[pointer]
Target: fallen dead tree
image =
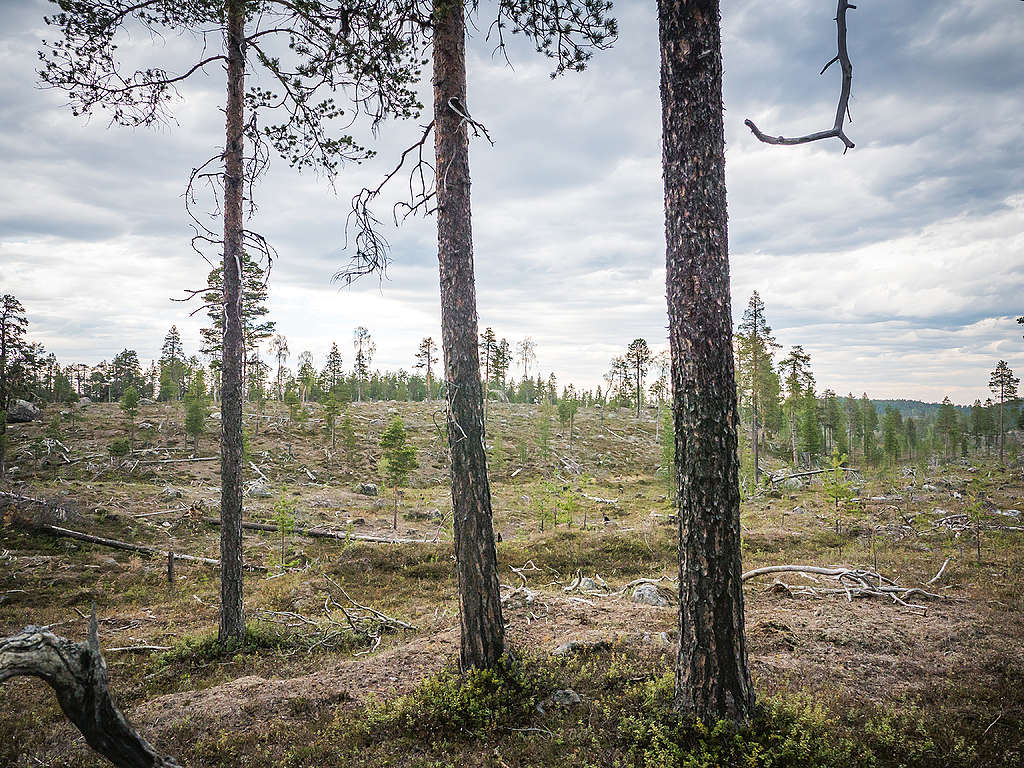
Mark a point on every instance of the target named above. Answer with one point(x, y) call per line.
point(321, 533)
point(797, 475)
point(127, 546)
point(78, 675)
point(851, 582)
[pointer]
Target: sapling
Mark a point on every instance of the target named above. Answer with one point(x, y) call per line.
point(130, 406)
point(284, 519)
point(398, 460)
point(837, 488)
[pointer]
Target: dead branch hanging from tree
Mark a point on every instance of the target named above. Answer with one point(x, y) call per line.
point(843, 108)
point(78, 675)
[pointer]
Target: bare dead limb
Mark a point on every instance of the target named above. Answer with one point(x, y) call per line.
point(363, 620)
point(843, 108)
point(599, 500)
point(78, 675)
point(938, 575)
point(852, 582)
point(321, 533)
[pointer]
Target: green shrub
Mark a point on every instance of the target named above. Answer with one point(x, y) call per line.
point(119, 447)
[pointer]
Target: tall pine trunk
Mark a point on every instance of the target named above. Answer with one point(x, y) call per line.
point(232, 620)
point(712, 679)
point(483, 630)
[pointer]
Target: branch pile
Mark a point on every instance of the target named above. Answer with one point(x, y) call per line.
point(851, 582)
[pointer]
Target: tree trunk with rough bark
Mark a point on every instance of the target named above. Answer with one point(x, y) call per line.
point(483, 629)
point(712, 678)
point(232, 618)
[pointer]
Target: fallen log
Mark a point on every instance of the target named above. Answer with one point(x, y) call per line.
point(321, 533)
point(78, 675)
point(780, 478)
point(127, 546)
point(181, 461)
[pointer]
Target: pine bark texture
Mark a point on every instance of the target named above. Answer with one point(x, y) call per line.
point(232, 619)
point(483, 629)
point(78, 675)
point(712, 678)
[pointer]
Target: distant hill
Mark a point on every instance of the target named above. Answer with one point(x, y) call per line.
point(915, 409)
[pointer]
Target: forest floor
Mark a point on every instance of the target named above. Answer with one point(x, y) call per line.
point(292, 696)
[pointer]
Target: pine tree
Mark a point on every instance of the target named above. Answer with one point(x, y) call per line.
point(1003, 385)
point(172, 366)
point(13, 325)
point(810, 424)
point(279, 348)
point(869, 421)
point(638, 359)
point(130, 406)
point(398, 459)
point(798, 377)
point(945, 424)
point(891, 424)
point(365, 349)
point(756, 347)
point(426, 356)
point(712, 677)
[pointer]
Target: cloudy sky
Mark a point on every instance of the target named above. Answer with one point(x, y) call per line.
point(899, 266)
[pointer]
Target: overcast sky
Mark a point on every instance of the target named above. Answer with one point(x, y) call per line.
point(899, 266)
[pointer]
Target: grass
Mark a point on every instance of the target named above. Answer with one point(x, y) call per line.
point(861, 684)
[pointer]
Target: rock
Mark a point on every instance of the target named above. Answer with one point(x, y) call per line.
point(83, 401)
point(660, 638)
point(648, 594)
point(797, 510)
point(792, 483)
point(367, 489)
point(258, 490)
point(21, 412)
point(146, 401)
point(147, 425)
point(928, 487)
point(566, 697)
point(215, 415)
point(170, 492)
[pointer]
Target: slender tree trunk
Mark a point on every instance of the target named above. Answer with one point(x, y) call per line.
point(712, 679)
point(232, 619)
point(754, 439)
point(483, 630)
point(792, 432)
point(1002, 433)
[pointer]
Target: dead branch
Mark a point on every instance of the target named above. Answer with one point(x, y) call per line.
point(78, 675)
point(852, 582)
point(321, 533)
point(938, 575)
point(842, 110)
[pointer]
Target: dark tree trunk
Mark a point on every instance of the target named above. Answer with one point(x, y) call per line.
point(712, 679)
point(483, 630)
point(232, 619)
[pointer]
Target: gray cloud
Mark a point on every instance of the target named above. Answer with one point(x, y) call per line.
point(898, 265)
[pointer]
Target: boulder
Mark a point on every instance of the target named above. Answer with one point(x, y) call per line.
point(147, 401)
point(22, 411)
point(565, 697)
point(367, 489)
point(170, 492)
point(792, 483)
point(648, 594)
point(83, 401)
